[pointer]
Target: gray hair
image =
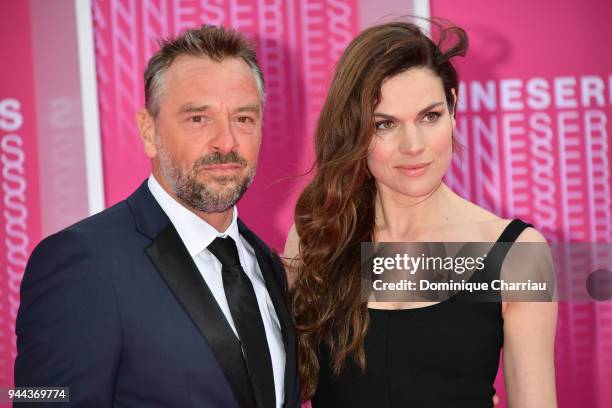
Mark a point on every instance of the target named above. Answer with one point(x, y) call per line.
point(211, 41)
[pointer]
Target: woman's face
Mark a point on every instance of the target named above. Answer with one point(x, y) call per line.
point(412, 145)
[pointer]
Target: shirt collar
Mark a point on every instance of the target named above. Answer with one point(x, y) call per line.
point(196, 233)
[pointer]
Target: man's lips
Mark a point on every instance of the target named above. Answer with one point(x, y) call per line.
point(227, 167)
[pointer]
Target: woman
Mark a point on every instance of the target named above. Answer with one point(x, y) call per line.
point(383, 144)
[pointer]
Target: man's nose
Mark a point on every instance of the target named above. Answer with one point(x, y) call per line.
point(224, 139)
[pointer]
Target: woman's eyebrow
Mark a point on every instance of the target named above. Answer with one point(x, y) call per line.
point(421, 112)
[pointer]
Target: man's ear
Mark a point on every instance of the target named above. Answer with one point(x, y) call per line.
point(146, 127)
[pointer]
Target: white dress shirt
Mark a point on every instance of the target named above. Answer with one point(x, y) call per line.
point(197, 234)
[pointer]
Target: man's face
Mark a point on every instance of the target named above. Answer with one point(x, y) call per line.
point(205, 141)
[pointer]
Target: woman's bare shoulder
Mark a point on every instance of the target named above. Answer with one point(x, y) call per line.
point(291, 254)
point(292, 244)
point(475, 223)
point(491, 225)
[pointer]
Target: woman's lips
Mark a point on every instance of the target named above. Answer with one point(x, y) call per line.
point(414, 170)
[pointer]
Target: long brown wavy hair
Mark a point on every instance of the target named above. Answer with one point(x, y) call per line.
point(335, 213)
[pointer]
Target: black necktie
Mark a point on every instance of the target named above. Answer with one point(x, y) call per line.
point(247, 319)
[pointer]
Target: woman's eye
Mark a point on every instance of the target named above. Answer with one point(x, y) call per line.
point(384, 125)
point(431, 116)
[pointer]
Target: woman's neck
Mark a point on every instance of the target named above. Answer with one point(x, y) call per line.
point(400, 218)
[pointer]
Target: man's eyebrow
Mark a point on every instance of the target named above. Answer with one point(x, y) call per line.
point(191, 108)
point(248, 108)
point(421, 112)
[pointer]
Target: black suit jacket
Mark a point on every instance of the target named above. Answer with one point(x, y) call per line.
point(115, 308)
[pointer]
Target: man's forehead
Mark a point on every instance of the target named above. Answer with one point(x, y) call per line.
point(227, 77)
point(191, 64)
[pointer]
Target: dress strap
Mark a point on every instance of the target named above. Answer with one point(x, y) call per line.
point(500, 249)
point(501, 246)
point(513, 230)
point(493, 263)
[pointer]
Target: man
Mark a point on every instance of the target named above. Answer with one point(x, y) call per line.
point(167, 299)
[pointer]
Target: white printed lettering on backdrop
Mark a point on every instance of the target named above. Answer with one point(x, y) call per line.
point(15, 213)
point(543, 144)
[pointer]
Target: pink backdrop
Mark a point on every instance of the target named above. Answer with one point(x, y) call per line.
point(19, 188)
point(534, 119)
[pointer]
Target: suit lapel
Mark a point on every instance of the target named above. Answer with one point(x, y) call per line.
point(170, 257)
point(274, 277)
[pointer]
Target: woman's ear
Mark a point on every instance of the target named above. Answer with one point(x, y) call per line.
point(454, 106)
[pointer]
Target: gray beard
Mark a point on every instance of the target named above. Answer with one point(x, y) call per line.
point(197, 195)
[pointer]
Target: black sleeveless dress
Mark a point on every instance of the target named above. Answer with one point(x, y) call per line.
point(444, 355)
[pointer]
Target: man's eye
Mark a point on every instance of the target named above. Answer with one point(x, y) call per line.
point(197, 119)
point(245, 119)
point(431, 116)
point(384, 125)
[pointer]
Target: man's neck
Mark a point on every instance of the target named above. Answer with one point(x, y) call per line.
point(219, 221)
